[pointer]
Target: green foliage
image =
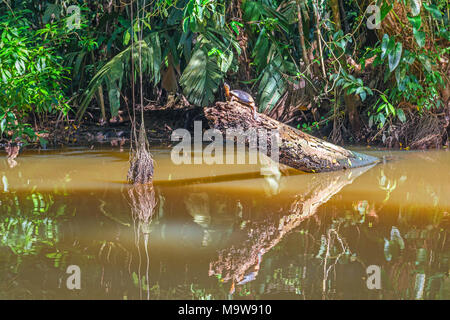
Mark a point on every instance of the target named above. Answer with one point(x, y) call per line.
point(31, 75)
point(113, 72)
point(190, 47)
point(272, 31)
point(351, 84)
point(201, 78)
point(405, 66)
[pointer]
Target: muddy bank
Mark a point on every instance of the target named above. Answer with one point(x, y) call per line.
point(428, 133)
point(159, 122)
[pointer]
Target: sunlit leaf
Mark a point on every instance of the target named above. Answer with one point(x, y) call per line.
point(201, 78)
point(416, 22)
point(415, 6)
point(420, 37)
point(394, 56)
point(401, 115)
point(384, 45)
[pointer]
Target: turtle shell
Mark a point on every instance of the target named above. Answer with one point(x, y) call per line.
point(242, 96)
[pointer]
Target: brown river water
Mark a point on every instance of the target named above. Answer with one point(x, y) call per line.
point(223, 231)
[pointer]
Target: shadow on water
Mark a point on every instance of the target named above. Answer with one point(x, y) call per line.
point(277, 237)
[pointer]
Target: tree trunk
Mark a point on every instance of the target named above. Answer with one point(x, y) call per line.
point(296, 148)
point(302, 38)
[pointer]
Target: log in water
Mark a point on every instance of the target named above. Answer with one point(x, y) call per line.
point(296, 149)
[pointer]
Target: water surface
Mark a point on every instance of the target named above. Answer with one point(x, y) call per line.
point(223, 232)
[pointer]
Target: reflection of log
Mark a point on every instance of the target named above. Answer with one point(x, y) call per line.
point(297, 149)
point(238, 261)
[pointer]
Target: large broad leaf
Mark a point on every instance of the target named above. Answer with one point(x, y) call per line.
point(113, 71)
point(252, 10)
point(433, 10)
point(114, 85)
point(385, 9)
point(416, 22)
point(256, 11)
point(384, 46)
point(222, 44)
point(50, 11)
point(420, 37)
point(272, 85)
point(114, 99)
point(415, 7)
point(401, 115)
point(261, 51)
point(151, 57)
point(201, 78)
point(400, 74)
point(394, 56)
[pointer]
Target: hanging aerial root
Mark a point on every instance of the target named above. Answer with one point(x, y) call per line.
point(141, 161)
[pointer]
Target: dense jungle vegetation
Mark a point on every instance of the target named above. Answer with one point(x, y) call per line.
point(353, 71)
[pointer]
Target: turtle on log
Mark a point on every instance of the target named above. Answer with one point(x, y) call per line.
point(242, 97)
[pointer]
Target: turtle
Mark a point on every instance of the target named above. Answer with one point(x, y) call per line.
point(242, 97)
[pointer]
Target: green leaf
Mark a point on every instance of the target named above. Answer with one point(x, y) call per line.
point(252, 10)
point(363, 95)
point(385, 9)
point(384, 46)
point(51, 10)
point(235, 25)
point(400, 74)
point(416, 22)
point(186, 25)
point(3, 125)
point(382, 119)
point(201, 78)
point(433, 10)
point(114, 100)
point(415, 7)
point(126, 37)
point(272, 85)
point(261, 52)
point(401, 115)
point(420, 37)
point(392, 109)
point(394, 56)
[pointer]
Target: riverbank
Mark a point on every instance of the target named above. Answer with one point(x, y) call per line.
point(161, 121)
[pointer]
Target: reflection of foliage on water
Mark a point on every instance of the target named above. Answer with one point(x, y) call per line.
point(343, 245)
point(27, 218)
point(30, 235)
point(30, 216)
point(338, 245)
point(297, 248)
point(417, 267)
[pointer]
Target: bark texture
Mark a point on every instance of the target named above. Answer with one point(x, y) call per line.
point(297, 149)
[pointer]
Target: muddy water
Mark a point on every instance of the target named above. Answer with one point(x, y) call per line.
point(223, 232)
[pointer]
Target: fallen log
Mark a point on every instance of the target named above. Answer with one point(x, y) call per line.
point(297, 149)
